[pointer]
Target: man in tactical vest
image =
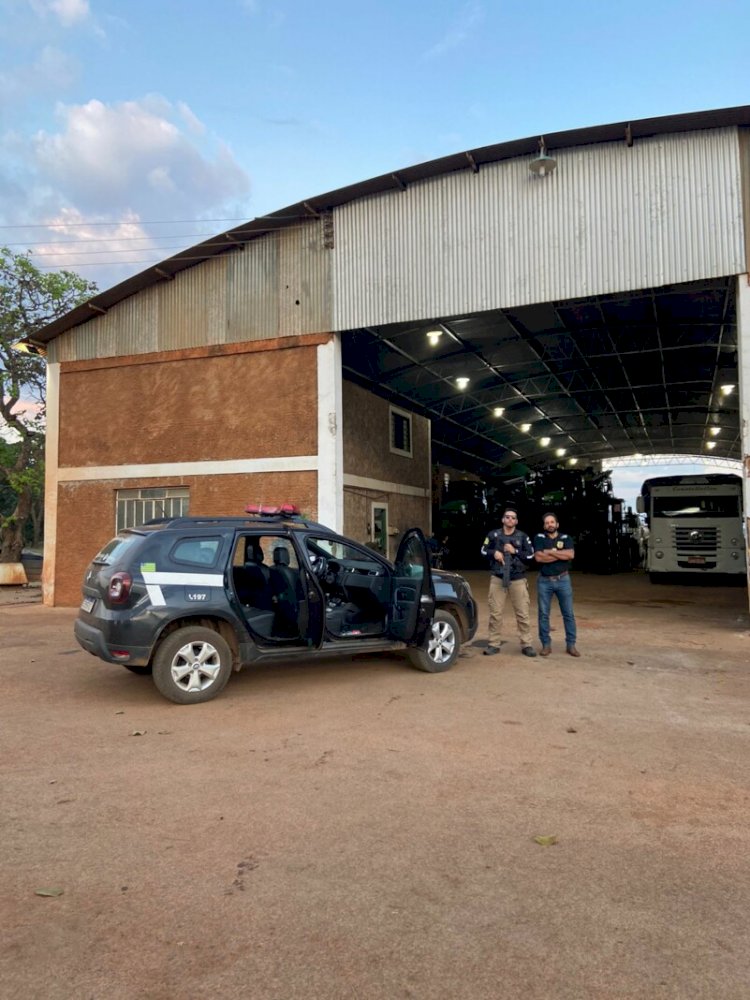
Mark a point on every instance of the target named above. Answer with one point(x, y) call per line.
point(509, 550)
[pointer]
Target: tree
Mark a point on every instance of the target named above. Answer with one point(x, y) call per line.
point(29, 300)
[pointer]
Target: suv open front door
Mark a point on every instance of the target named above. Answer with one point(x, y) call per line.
point(413, 593)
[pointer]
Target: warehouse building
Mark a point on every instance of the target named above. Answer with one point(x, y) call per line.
point(570, 297)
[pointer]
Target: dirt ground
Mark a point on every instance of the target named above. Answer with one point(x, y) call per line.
point(357, 829)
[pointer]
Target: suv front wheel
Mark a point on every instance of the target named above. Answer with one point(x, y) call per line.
point(192, 665)
point(441, 647)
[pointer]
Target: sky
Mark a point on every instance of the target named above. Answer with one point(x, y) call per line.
point(130, 130)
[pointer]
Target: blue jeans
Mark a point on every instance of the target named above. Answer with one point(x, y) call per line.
point(563, 589)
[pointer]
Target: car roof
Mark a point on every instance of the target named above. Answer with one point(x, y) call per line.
point(263, 521)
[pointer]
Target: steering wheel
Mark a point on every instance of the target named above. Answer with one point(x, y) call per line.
point(320, 565)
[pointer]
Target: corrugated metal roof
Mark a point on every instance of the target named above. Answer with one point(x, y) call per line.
point(467, 160)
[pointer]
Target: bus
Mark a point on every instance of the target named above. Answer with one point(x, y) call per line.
point(695, 525)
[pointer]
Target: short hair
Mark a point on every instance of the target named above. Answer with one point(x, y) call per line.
point(510, 510)
point(549, 513)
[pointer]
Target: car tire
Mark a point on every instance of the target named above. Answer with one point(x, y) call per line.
point(192, 665)
point(135, 669)
point(442, 645)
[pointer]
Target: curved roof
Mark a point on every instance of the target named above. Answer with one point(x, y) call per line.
point(589, 379)
point(472, 159)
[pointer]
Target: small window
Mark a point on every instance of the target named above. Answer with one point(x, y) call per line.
point(135, 507)
point(400, 432)
point(198, 551)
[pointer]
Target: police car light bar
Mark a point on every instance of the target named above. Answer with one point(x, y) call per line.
point(266, 510)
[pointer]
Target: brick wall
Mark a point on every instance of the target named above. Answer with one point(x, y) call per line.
point(244, 401)
point(254, 404)
point(367, 453)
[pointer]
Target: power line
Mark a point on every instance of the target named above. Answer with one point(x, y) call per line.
point(107, 239)
point(116, 222)
point(142, 222)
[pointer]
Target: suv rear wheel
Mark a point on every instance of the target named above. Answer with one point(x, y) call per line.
point(192, 665)
point(441, 647)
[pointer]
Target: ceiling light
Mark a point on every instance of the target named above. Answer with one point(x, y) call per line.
point(727, 389)
point(560, 452)
point(714, 431)
point(498, 411)
point(526, 428)
point(542, 165)
point(544, 441)
point(572, 461)
point(462, 381)
point(434, 336)
point(710, 445)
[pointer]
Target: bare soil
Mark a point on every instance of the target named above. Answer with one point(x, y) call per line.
point(356, 829)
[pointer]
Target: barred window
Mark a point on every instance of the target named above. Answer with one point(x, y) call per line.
point(135, 507)
point(400, 431)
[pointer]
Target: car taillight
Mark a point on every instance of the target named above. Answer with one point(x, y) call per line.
point(119, 588)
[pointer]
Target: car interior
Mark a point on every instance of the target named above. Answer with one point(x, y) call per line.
point(269, 586)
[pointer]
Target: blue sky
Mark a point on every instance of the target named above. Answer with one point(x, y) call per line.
point(130, 130)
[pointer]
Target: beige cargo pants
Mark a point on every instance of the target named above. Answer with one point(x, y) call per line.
point(518, 593)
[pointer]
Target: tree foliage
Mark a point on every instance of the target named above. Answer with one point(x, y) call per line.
point(29, 300)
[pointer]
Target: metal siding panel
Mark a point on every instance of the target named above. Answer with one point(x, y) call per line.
point(190, 307)
point(304, 280)
point(252, 299)
point(279, 285)
point(611, 218)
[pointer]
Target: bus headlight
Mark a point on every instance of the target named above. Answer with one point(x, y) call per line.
point(659, 555)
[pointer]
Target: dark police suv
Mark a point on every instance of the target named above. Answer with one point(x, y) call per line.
point(191, 599)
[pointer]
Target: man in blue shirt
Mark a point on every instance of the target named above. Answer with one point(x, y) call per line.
point(554, 553)
point(508, 550)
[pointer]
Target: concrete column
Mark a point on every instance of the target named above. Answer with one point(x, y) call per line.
point(51, 460)
point(743, 371)
point(330, 436)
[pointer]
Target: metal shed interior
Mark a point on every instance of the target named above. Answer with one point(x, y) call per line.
point(646, 372)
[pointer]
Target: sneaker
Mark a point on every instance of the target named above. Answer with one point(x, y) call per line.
point(528, 651)
point(572, 651)
point(545, 650)
point(491, 650)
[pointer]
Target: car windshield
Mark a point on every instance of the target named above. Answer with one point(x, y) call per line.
point(114, 550)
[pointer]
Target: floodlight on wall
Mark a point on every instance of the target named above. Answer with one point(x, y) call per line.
point(560, 452)
point(714, 431)
point(434, 336)
point(727, 389)
point(544, 441)
point(542, 165)
point(572, 461)
point(498, 411)
point(462, 381)
point(710, 445)
point(526, 428)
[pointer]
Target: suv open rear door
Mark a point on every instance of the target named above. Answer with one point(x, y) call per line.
point(413, 593)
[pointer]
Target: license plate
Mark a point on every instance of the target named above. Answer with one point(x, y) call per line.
point(87, 603)
point(696, 560)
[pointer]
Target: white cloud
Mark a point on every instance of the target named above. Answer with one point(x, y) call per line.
point(68, 12)
point(111, 158)
point(88, 191)
point(194, 123)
